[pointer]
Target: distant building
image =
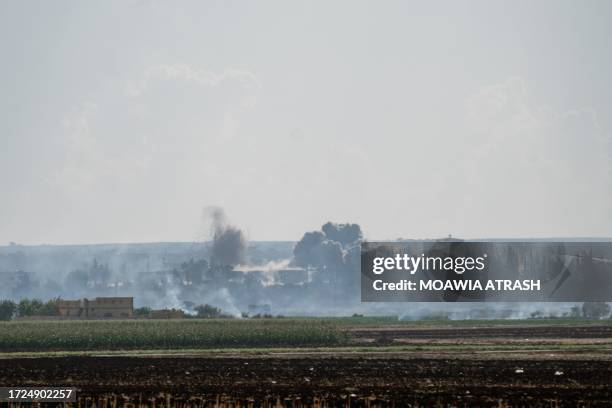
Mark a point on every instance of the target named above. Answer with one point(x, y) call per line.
point(98, 308)
point(70, 308)
point(292, 276)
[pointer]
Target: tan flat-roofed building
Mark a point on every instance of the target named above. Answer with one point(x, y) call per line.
point(70, 308)
point(98, 308)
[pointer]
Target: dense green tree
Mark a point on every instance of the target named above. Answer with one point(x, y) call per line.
point(27, 307)
point(36, 307)
point(345, 234)
point(595, 310)
point(142, 311)
point(50, 307)
point(7, 309)
point(209, 312)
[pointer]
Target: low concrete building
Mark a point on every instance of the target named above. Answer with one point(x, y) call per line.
point(98, 308)
point(70, 308)
point(292, 276)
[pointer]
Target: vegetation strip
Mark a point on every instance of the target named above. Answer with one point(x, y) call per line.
point(318, 350)
point(166, 334)
point(265, 334)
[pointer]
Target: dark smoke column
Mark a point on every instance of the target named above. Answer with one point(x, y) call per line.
point(228, 242)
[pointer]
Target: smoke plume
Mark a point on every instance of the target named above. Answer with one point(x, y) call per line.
point(228, 242)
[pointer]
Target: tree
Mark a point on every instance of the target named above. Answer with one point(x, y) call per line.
point(142, 311)
point(50, 307)
point(7, 309)
point(210, 312)
point(99, 274)
point(575, 312)
point(345, 234)
point(27, 307)
point(595, 310)
point(22, 282)
point(77, 279)
point(304, 253)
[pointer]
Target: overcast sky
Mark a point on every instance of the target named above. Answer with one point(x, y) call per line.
point(122, 121)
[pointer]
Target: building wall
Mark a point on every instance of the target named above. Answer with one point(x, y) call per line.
point(70, 308)
point(98, 308)
point(292, 276)
point(114, 307)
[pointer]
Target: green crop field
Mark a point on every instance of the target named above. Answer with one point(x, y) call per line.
point(211, 334)
point(166, 334)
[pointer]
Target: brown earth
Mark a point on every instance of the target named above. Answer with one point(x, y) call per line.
point(545, 378)
point(381, 379)
point(574, 335)
point(510, 332)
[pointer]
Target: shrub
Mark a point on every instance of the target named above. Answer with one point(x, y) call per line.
point(207, 311)
point(142, 311)
point(7, 309)
point(595, 310)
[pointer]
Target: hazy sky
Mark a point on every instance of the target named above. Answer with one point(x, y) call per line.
point(122, 121)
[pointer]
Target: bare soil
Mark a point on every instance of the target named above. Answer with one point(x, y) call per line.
point(555, 378)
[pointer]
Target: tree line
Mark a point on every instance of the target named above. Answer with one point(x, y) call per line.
point(10, 309)
point(28, 307)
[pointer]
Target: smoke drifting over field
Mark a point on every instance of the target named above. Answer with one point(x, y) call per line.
point(317, 275)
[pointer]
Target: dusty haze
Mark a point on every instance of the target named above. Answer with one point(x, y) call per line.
point(121, 121)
